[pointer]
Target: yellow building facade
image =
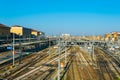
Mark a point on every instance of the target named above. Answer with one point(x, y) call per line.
point(19, 30)
point(34, 32)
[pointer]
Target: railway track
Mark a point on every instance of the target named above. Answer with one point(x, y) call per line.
point(91, 67)
point(79, 67)
point(32, 67)
point(51, 74)
point(84, 69)
point(41, 67)
point(111, 56)
point(88, 65)
point(115, 63)
point(44, 67)
point(7, 64)
point(66, 68)
point(104, 69)
point(103, 63)
point(25, 63)
point(24, 68)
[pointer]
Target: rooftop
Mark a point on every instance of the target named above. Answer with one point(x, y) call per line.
point(2, 25)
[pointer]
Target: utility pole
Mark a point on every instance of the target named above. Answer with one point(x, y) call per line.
point(49, 45)
point(65, 58)
point(59, 45)
point(65, 54)
point(93, 48)
point(20, 50)
point(13, 49)
point(93, 52)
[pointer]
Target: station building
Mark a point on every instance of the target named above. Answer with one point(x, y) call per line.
point(26, 32)
point(20, 30)
point(35, 33)
point(4, 31)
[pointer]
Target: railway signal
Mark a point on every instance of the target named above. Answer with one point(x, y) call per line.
point(62, 64)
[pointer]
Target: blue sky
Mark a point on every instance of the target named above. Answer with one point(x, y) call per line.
point(77, 17)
